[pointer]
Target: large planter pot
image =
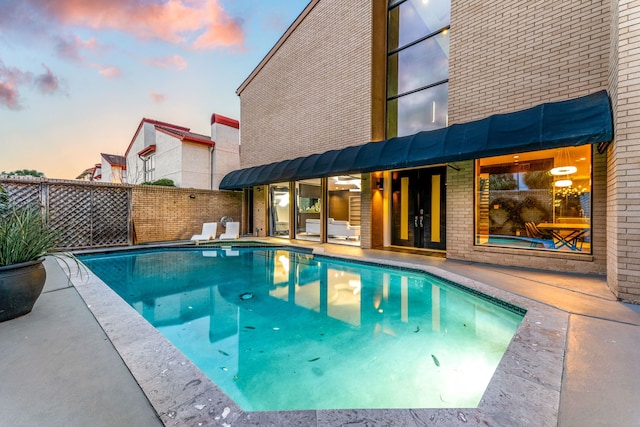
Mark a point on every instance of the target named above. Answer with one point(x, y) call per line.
point(20, 287)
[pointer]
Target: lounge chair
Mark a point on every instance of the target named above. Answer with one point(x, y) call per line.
point(209, 230)
point(539, 237)
point(232, 232)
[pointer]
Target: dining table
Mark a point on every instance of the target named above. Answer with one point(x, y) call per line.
point(569, 234)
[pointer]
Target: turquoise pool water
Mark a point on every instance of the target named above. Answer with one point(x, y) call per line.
point(284, 330)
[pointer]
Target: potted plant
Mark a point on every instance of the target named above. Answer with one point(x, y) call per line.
point(24, 240)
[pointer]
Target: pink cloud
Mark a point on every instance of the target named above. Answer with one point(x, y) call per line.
point(12, 78)
point(158, 98)
point(174, 21)
point(176, 61)
point(9, 96)
point(69, 48)
point(222, 30)
point(110, 72)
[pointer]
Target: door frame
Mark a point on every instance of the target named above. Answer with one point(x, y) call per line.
point(431, 171)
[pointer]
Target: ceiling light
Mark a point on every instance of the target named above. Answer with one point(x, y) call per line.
point(563, 183)
point(563, 170)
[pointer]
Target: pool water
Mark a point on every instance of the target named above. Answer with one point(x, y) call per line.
point(284, 330)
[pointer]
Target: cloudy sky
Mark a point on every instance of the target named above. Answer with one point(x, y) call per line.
point(77, 76)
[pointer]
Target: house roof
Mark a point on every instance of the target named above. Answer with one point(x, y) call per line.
point(155, 123)
point(86, 172)
point(147, 150)
point(186, 136)
point(217, 118)
point(114, 159)
point(277, 46)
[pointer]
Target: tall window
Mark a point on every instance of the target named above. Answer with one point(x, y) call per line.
point(308, 209)
point(417, 66)
point(279, 212)
point(343, 215)
point(149, 168)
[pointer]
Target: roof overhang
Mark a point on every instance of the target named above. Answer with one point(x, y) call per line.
point(147, 150)
point(574, 122)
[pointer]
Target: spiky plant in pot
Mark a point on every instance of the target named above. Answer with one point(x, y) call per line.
point(24, 240)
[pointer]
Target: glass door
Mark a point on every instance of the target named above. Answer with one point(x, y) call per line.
point(279, 213)
point(418, 208)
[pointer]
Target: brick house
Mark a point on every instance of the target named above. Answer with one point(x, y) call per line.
point(489, 118)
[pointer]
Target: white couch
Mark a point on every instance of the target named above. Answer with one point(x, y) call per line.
point(335, 228)
point(312, 226)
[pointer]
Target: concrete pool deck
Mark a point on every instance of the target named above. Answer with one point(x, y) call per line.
point(574, 362)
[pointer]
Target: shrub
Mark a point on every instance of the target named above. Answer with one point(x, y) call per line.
point(163, 182)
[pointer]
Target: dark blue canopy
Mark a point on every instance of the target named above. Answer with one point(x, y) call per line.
point(585, 120)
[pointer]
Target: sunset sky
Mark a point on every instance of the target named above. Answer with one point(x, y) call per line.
point(77, 76)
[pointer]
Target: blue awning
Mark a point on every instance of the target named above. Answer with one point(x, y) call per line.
point(585, 120)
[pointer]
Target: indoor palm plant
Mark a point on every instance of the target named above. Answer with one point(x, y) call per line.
point(24, 240)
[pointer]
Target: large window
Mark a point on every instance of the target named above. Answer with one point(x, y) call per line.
point(309, 206)
point(417, 66)
point(279, 200)
point(539, 200)
point(343, 215)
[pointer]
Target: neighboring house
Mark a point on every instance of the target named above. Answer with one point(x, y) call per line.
point(160, 150)
point(97, 172)
point(446, 127)
point(86, 175)
point(114, 168)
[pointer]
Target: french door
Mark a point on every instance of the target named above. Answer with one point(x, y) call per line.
point(418, 208)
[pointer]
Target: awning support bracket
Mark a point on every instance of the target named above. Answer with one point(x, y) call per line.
point(457, 169)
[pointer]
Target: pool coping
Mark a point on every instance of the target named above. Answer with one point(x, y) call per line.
point(525, 389)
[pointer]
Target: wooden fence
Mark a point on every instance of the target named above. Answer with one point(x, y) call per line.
point(94, 214)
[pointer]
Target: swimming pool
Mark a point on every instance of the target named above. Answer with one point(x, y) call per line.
point(284, 330)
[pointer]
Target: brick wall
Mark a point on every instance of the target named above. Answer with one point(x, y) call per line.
point(260, 210)
point(314, 94)
point(623, 202)
point(166, 213)
point(511, 55)
point(514, 54)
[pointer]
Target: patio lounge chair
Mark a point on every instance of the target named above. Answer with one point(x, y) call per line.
point(539, 237)
point(209, 230)
point(232, 232)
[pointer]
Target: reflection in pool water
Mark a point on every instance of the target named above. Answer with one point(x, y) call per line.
point(283, 330)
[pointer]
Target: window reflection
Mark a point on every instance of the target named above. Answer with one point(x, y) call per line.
point(415, 19)
point(419, 111)
point(420, 65)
